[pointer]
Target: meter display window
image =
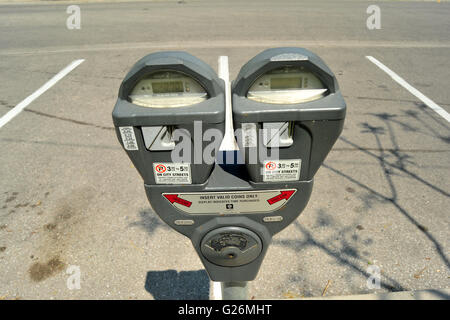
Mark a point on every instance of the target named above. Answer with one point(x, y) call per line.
point(167, 89)
point(287, 85)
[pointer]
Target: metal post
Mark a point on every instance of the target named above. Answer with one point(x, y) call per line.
point(234, 290)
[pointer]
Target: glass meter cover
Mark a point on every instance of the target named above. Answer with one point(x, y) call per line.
point(287, 85)
point(167, 89)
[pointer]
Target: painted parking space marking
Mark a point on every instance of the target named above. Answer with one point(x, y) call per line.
point(50, 83)
point(427, 101)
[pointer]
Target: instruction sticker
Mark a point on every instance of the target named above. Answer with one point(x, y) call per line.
point(172, 173)
point(128, 138)
point(281, 170)
point(264, 201)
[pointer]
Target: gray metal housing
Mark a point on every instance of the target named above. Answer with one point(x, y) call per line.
point(318, 123)
point(211, 111)
point(224, 179)
point(316, 129)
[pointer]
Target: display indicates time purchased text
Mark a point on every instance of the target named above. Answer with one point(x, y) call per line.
point(230, 202)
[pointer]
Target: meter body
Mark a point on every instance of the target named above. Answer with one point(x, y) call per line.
point(284, 99)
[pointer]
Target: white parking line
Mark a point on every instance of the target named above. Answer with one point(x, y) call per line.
point(228, 142)
point(217, 291)
point(228, 44)
point(427, 101)
point(24, 103)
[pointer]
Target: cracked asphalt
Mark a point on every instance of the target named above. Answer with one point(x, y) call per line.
point(69, 195)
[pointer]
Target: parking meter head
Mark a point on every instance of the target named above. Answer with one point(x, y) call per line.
point(165, 104)
point(288, 111)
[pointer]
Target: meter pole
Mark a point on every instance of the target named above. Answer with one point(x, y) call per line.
point(236, 290)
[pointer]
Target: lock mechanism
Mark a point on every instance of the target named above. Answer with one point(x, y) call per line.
point(231, 246)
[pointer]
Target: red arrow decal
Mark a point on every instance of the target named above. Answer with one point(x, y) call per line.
point(174, 198)
point(283, 195)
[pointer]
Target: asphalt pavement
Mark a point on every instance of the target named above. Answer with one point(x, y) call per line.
point(69, 195)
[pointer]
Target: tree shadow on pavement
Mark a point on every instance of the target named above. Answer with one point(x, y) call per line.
point(342, 244)
point(173, 285)
point(149, 222)
point(401, 162)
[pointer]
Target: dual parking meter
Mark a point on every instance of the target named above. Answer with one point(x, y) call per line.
point(170, 119)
